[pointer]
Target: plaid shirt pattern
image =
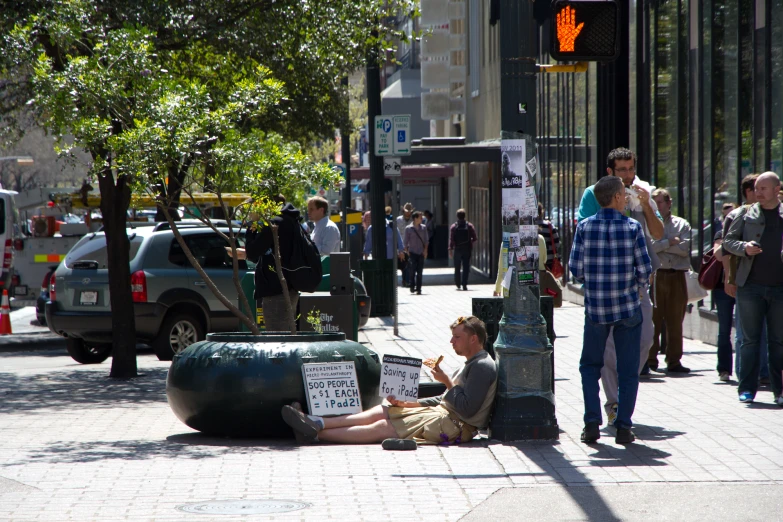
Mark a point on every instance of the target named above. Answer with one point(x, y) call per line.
point(610, 257)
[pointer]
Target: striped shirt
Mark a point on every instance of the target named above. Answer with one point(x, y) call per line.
point(550, 232)
point(610, 257)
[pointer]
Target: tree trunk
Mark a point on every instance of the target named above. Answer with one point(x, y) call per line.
point(115, 200)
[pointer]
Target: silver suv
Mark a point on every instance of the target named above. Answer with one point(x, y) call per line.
point(172, 305)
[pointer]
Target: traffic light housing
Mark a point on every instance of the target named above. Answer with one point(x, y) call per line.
point(585, 30)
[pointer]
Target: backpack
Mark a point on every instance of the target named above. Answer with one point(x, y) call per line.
point(304, 271)
point(462, 236)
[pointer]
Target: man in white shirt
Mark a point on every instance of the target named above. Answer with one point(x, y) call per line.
point(326, 235)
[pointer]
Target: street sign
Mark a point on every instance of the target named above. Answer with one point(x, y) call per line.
point(393, 135)
point(383, 135)
point(585, 30)
point(392, 166)
point(401, 127)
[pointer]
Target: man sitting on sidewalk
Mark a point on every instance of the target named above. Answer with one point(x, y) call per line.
point(610, 257)
point(451, 418)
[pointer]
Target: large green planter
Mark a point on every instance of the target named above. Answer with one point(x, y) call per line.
point(235, 384)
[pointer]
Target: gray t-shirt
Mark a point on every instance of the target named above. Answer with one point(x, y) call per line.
point(472, 385)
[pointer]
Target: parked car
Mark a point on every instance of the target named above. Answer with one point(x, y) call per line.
point(43, 296)
point(173, 307)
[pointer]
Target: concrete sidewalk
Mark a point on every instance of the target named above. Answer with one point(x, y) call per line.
point(79, 446)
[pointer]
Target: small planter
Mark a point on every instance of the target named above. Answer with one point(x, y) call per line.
point(235, 384)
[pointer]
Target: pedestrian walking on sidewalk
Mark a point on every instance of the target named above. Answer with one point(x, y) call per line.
point(609, 256)
point(462, 236)
point(402, 221)
point(757, 238)
point(415, 243)
point(669, 291)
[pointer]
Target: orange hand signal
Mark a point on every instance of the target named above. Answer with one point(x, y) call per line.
point(567, 30)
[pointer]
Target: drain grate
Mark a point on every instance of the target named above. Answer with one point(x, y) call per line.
point(243, 507)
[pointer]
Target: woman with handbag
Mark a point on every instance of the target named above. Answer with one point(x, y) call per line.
point(725, 304)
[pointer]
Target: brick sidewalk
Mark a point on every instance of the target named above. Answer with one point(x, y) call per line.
point(78, 446)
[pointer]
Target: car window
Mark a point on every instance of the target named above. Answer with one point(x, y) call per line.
point(209, 250)
point(95, 250)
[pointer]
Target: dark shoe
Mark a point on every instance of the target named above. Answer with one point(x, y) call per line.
point(764, 380)
point(399, 444)
point(458, 288)
point(301, 424)
point(465, 287)
point(645, 371)
point(590, 433)
point(624, 436)
point(679, 369)
point(653, 367)
point(418, 292)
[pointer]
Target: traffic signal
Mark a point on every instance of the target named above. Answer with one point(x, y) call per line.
point(585, 30)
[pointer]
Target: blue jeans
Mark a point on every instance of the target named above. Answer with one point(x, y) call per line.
point(627, 336)
point(725, 304)
point(763, 357)
point(758, 303)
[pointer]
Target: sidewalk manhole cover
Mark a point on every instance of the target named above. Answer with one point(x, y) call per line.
point(243, 507)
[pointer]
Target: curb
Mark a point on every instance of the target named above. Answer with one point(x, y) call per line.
point(30, 341)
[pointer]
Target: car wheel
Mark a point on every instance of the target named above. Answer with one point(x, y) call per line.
point(87, 353)
point(178, 332)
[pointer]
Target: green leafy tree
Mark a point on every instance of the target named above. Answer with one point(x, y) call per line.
point(98, 70)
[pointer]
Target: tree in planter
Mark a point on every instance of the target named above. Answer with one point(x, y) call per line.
point(89, 68)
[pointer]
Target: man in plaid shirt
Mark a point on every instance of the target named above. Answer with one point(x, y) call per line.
point(610, 257)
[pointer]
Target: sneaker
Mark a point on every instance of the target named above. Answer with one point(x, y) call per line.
point(301, 424)
point(779, 400)
point(746, 397)
point(612, 415)
point(724, 377)
point(590, 433)
point(679, 369)
point(399, 444)
point(624, 436)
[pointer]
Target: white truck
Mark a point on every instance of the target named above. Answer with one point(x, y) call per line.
point(44, 239)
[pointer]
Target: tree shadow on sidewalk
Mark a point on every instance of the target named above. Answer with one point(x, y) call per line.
point(192, 446)
point(80, 387)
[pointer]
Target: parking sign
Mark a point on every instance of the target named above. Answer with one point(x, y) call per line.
point(383, 135)
point(393, 135)
point(402, 135)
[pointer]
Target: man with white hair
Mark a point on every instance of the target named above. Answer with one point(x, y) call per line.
point(757, 239)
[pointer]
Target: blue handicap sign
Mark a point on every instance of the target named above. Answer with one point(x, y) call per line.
point(387, 125)
point(400, 136)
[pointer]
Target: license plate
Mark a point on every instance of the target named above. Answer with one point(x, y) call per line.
point(20, 290)
point(88, 298)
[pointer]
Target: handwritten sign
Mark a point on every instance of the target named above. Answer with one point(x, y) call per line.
point(400, 377)
point(332, 388)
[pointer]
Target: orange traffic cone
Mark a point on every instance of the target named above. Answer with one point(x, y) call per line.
point(5, 315)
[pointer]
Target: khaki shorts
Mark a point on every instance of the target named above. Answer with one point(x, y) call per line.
point(429, 425)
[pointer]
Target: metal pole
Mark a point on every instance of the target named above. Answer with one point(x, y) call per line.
point(395, 211)
point(377, 216)
point(345, 142)
point(524, 406)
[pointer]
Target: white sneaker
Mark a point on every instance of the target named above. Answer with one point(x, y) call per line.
point(779, 400)
point(724, 377)
point(612, 415)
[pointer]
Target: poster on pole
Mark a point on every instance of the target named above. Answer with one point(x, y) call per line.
point(400, 377)
point(332, 388)
point(519, 208)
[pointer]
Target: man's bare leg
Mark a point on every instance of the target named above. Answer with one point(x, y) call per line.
point(364, 418)
point(378, 431)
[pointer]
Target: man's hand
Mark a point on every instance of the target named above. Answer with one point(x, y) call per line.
point(674, 241)
point(241, 253)
point(644, 196)
point(752, 249)
point(451, 254)
point(402, 404)
point(401, 256)
point(730, 290)
point(440, 376)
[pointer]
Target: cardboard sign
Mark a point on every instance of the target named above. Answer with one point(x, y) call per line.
point(400, 377)
point(332, 388)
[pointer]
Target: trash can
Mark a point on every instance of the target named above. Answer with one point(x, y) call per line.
point(379, 280)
